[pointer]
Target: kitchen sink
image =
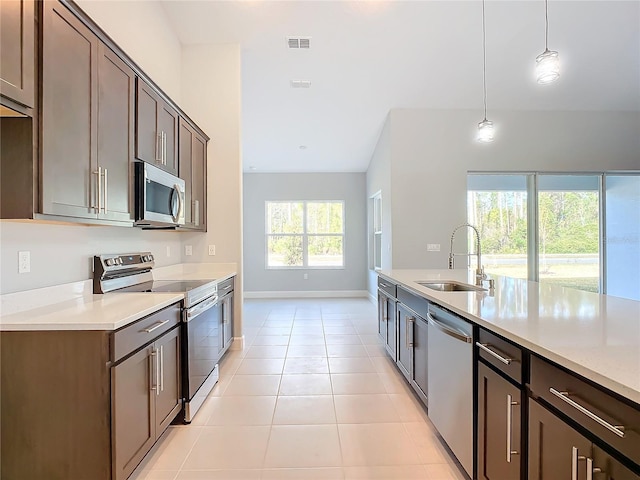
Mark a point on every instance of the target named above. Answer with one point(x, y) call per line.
point(450, 286)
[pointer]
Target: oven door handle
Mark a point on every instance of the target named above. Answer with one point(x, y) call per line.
point(193, 312)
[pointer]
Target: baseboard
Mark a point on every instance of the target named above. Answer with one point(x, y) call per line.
point(309, 294)
point(238, 343)
point(373, 298)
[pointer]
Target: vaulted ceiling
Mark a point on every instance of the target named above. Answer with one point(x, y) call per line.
point(367, 57)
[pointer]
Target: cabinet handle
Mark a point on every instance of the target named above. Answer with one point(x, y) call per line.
point(157, 373)
point(510, 405)
point(591, 470)
point(408, 321)
point(574, 462)
point(159, 147)
point(106, 191)
point(155, 326)
point(161, 368)
point(154, 387)
point(98, 173)
point(564, 396)
point(384, 285)
point(164, 148)
point(485, 347)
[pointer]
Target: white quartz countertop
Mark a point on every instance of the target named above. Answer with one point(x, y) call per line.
point(74, 306)
point(596, 336)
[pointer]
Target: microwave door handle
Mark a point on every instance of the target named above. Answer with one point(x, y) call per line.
point(177, 214)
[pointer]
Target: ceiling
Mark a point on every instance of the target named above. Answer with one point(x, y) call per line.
point(367, 57)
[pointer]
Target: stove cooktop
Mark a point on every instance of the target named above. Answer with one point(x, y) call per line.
point(195, 290)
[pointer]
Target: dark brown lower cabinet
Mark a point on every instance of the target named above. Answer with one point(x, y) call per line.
point(387, 327)
point(146, 398)
point(499, 427)
point(556, 450)
point(406, 318)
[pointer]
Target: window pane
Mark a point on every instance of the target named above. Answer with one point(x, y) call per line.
point(623, 235)
point(325, 251)
point(284, 217)
point(377, 250)
point(284, 251)
point(497, 206)
point(325, 217)
point(568, 230)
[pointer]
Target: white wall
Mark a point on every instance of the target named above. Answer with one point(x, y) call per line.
point(378, 179)
point(212, 98)
point(141, 28)
point(262, 187)
point(432, 151)
point(63, 253)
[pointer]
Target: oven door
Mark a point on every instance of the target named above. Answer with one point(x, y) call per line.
point(159, 197)
point(202, 336)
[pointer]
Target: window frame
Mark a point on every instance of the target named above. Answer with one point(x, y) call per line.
point(305, 237)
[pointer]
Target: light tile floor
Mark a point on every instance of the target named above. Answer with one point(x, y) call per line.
point(312, 396)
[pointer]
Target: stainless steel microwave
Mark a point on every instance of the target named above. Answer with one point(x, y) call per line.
point(159, 197)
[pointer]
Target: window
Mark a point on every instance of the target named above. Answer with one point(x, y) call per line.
point(579, 230)
point(305, 234)
point(376, 232)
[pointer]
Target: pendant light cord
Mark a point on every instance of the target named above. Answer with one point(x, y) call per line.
point(546, 25)
point(484, 62)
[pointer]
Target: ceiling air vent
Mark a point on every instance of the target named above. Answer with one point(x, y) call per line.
point(300, 83)
point(299, 42)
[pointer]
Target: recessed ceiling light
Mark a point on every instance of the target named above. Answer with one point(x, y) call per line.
point(302, 147)
point(252, 167)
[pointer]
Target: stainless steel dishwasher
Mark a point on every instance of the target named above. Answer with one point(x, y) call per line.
point(450, 380)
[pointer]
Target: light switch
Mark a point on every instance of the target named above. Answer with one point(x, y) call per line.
point(433, 247)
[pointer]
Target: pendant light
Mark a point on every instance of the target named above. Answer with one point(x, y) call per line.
point(485, 127)
point(547, 63)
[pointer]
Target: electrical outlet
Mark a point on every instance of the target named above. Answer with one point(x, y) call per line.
point(168, 251)
point(188, 250)
point(212, 249)
point(433, 247)
point(24, 262)
point(306, 276)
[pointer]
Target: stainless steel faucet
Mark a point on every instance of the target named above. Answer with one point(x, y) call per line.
point(480, 275)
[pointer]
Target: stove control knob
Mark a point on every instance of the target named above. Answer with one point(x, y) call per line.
point(150, 258)
point(109, 262)
point(145, 258)
point(119, 261)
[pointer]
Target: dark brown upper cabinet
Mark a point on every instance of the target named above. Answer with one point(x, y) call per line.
point(193, 170)
point(156, 129)
point(17, 52)
point(87, 123)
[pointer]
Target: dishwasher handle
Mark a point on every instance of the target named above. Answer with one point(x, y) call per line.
point(446, 329)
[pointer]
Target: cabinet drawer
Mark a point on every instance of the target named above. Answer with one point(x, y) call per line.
point(502, 354)
point(594, 408)
point(417, 304)
point(134, 336)
point(387, 287)
point(226, 286)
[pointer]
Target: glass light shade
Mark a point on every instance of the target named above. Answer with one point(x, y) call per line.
point(485, 131)
point(547, 67)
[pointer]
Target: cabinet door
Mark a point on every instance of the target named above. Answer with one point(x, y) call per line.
point(610, 468)
point(552, 444)
point(17, 52)
point(392, 329)
point(168, 127)
point(405, 340)
point(148, 138)
point(168, 397)
point(133, 384)
point(420, 340)
point(227, 320)
point(69, 115)
point(116, 87)
point(199, 182)
point(499, 427)
point(185, 141)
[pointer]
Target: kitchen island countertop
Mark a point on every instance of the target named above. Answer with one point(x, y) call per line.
point(596, 336)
